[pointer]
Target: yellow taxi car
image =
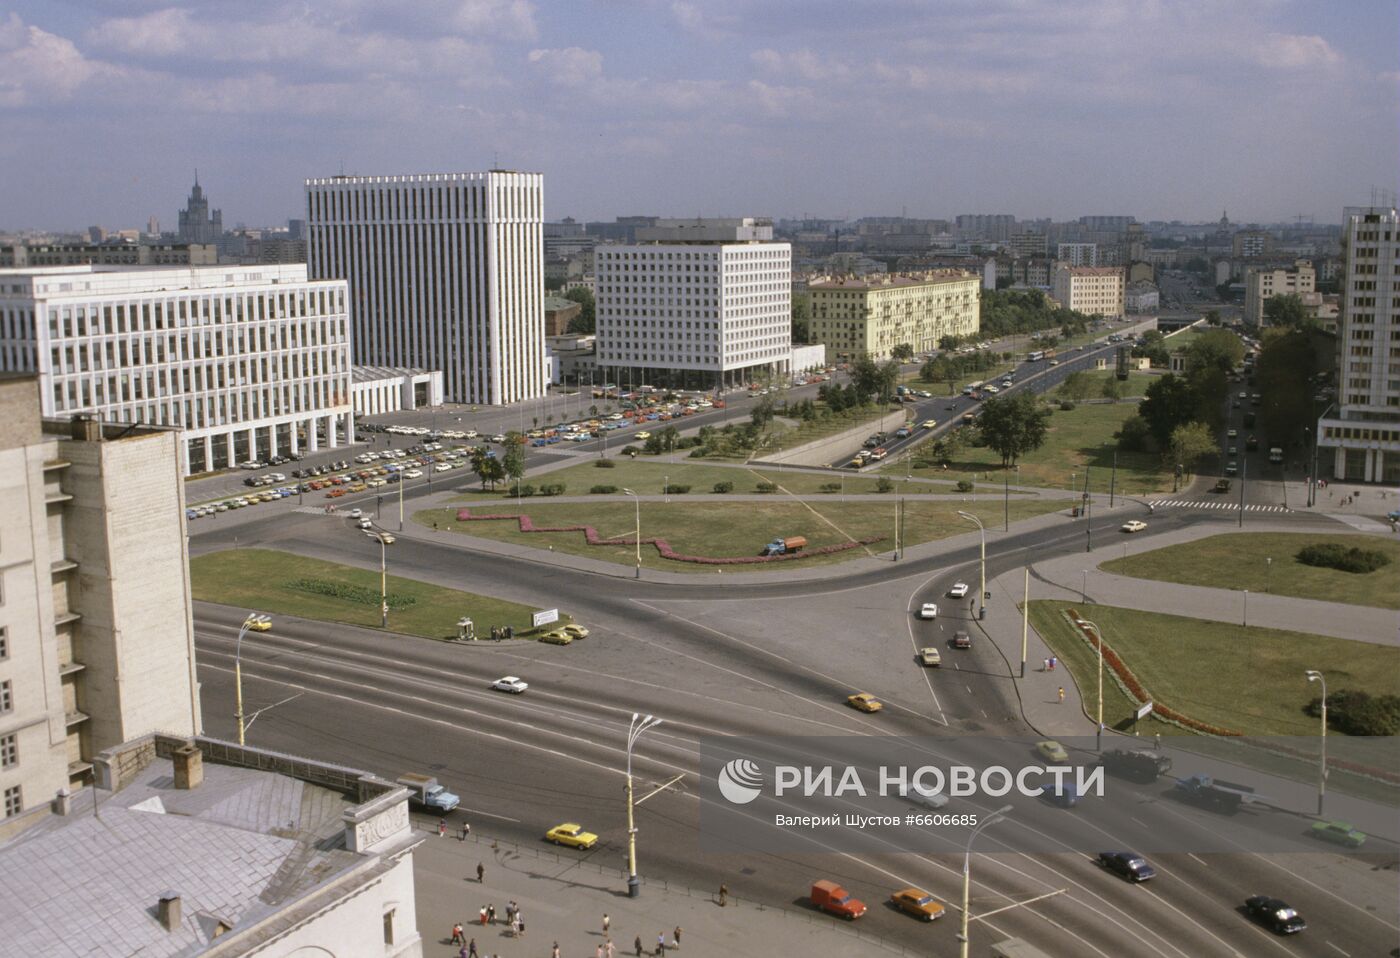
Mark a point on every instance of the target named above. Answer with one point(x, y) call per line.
point(1052, 751)
point(259, 623)
point(917, 902)
point(865, 702)
point(556, 637)
point(571, 834)
point(575, 631)
point(928, 424)
point(642, 435)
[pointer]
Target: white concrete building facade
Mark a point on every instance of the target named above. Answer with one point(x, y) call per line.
point(1092, 290)
point(248, 362)
point(698, 314)
point(1362, 431)
point(380, 389)
point(446, 272)
point(1262, 285)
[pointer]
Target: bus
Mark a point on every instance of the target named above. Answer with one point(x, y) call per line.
point(971, 388)
point(1036, 356)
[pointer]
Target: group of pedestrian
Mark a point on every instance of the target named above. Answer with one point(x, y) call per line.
point(459, 937)
point(1049, 664)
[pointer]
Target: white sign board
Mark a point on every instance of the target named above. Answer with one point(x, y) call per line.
point(545, 617)
point(1144, 710)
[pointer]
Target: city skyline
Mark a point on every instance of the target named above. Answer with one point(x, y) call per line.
point(711, 109)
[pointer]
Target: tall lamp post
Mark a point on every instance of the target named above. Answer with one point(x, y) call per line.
point(637, 501)
point(254, 618)
point(383, 576)
point(1098, 640)
point(992, 819)
point(639, 725)
point(982, 595)
point(1316, 676)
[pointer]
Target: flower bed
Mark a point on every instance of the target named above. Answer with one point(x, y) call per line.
point(663, 547)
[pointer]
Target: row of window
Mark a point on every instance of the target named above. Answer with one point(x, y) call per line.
point(456, 199)
point(160, 314)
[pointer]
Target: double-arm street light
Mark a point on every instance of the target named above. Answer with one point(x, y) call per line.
point(992, 819)
point(639, 725)
point(383, 540)
point(1316, 676)
point(982, 593)
point(637, 501)
point(254, 619)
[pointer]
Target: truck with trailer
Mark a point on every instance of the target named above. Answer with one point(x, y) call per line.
point(785, 545)
point(1136, 764)
point(1211, 792)
point(425, 792)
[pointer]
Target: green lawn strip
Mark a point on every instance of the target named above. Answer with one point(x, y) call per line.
point(1238, 561)
point(712, 527)
point(1135, 386)
point(805, 432)
point(1079, 438)
point(263, 580)
point(1246, 679)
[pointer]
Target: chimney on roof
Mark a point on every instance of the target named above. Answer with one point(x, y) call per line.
point(189, 766)
point(87, 428)
point(168, 910)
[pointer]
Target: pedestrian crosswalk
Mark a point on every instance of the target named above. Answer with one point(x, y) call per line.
point(1217, 504)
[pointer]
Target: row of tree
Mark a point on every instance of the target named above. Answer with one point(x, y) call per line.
point(1180, 414)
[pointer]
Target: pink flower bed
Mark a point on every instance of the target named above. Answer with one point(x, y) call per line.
point(664, 547)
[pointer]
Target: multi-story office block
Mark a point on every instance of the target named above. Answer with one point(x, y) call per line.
point(1261, 285)
point(1093, 290)
point(1252, 244)
point(111, 254)
point(873, 314)
point(446, 271)
point(1077, 254)
point(695, 304)
point(96, 641)
point(1362, 430)
point(248, 361)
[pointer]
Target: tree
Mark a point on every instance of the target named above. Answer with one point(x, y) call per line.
point(1169, 403)
point(801, 319)
point(888, 379)
point(762, 412)
point(903, 352)
point(1113, 388)
point(1190, 443)
point(1286, 363)
point(865, 379)
point(1077, 385)
point(586, 321)
point(513, 462)
point(1215, 348)
point(487, 467)
point(1134, 435)
point(939, 369)
point(1287, 311)
point(1013, 426)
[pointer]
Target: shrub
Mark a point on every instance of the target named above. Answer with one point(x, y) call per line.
point(884, 484)
point(604, 464)
point(964, 485)
point(1066, 406)
point(526, 490)
point(1352, 712)
point(630, 450)
point(552, 489)
point(698, 453)
point(831, 487)
point(601, 490)
point(676, 490)
point(723, 487)
point(1334, 555)
point(361, 595)
point(767, 487)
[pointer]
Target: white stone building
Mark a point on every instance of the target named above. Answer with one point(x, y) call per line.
point(1362, 430)
point(96, 640)
point(248, 361)
point(1262, 284)
point(1077, 254)
point(1092, 290)
point(380, 389)
point(446, 272)
point(695, 304)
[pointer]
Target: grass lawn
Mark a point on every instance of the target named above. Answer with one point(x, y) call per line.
point(779, 437)
point(712, 527)
point(259, 579)
point(1248, 679)
point(1136, 386)
point(1236, 561)
point(1078, 439)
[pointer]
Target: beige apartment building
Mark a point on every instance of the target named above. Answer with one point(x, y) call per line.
point(1092, 290)
point(96, 639)
point(1261, 285)
point(874, 314)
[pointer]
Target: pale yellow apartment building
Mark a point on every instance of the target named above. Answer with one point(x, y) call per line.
point(873, 314)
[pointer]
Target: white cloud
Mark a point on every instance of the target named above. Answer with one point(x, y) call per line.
point(1295, 52)
point(571, 66)
point(38, 66)
point(509, 18)
point(803, 64)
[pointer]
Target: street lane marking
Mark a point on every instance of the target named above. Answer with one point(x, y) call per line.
point(1199, 860)
point(1334, 947)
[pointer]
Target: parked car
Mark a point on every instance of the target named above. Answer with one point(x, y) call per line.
point(557, 637)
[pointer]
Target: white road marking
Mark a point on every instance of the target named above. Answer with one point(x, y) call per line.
point(1198, 859)
point(1335, 948)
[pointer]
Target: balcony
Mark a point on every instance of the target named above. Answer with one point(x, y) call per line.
point(60, 566)
point(66, 618)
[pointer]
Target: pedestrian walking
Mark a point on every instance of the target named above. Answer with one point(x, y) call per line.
point(1062, 694)
point(466, 830)
point(554, 952)
point(661, 944)
point(462, 952)
point(638, 943)
point(1045, 665)
point(471, 949)
point(609, 949)
point(1053, 662)
point(723, 895)
point(458, 937)
point(1157, 740)
point(483, 914)
point(598, 952)
point(480, 873)
point(442, 827)
point(491, 909)
point(677, 935)
point(606, 922)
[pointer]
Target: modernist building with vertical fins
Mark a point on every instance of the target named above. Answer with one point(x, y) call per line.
point(446, 272)
point(249, 362)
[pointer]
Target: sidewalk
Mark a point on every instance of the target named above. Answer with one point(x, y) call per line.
point(563, 899)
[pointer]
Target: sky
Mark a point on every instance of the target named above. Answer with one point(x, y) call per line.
point(1267, 109)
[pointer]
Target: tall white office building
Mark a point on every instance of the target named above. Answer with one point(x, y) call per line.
point(1362, 429)
point(695, 304)
point(446, 272)
point(248, 362)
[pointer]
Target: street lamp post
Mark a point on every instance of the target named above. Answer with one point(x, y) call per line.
point(634, 732)
point(996, 816)
point(982, 595)
point(1098, 640)
point(383, 577)
point(1268, 567)
point(1316, 676)
point(253, 617)
point(637, 501)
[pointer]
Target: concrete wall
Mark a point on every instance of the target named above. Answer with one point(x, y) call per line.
point(822, 451)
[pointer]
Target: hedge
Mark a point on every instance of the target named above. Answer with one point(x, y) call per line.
point(361, 595)
point(1334, 555)
point(552, 489)
point(603, 490)
point(604, 464)
point(767, 487)
point(723, 487)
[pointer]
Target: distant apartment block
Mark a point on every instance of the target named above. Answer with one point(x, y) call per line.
point(1362, 430)
point(248, 361)
point(871, 315)
point(1027, 244)
point(1261, 285)
point(1252, 244)
point(1142, 298)
point(695, 304)
point(1077, 254)
point(96, 639)
point(1092, 290)
point(109, 254)
point(989, 226)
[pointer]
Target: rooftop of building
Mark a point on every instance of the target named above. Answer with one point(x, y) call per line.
point(553, 303)
point(247, 852)
point(82, 279)
point(1093, 270)
point(890, 280)
point(355, 179)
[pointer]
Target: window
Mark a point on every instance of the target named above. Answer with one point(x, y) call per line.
point(9, 750)
point(4, 643)
point(14, 804)
point(6, 697)
point(389, 927)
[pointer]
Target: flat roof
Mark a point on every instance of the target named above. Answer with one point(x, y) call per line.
point(886, 281)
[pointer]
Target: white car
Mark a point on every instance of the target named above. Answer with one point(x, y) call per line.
point(442, 467)
point(927, 800)
point(1134, 525)
point(364, 524)
point(958, 590)
point(414, 474)
point(928, 610)
point(511, 684)
point(355, 513)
